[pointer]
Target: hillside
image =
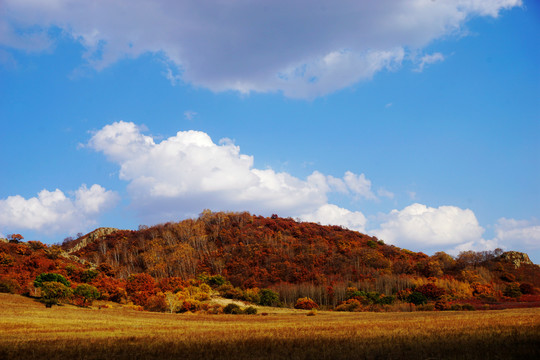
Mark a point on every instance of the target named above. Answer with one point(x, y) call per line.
point(294, 259)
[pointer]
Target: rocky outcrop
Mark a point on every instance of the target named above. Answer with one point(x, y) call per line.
point(90, 238)
point(516, 258)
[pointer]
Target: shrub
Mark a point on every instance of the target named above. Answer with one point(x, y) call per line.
point(190, 305)
point(526, 288)
point(8, 285)
point(456, 307)
point(508, 277)
point(250, 310)
point(430, 291)
point(252, 295)
point(468, 307)
point(372, 244)
point(215, 309)
point(268, 298)
point(349, 305)
point(50, 277)
point(442, 305)
point(53, 292)
point(89, 275)
point(6, 259)
point(426, 307)
point(306, 304)
point(156, 303)
point(512, 290)
point(230, 292)
point(86, 293)
point(417, 298)
point(216, 280)
point(232, 309)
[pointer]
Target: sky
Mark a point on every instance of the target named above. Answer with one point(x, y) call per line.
point(415, 121)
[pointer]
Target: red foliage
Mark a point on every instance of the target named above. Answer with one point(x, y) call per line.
point(431, 291)
point(140, 287)
point(306, 304)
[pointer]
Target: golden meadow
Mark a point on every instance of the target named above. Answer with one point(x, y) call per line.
point(28, 330)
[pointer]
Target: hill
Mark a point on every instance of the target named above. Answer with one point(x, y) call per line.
point(240, 252)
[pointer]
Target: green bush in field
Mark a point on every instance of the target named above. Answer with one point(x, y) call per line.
point(86, 293)
point(417, 298)
point(48, 277)
point(232, 309)
point(268, 297)
point(250, 310)
point(53, 292)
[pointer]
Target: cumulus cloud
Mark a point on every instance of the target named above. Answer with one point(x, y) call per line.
point(185, 173)
point(429, 59)
point(512, 232)
point(330, 214)
point(359, 185)
point(303, 48)
point(421, 227)
point(53, 211)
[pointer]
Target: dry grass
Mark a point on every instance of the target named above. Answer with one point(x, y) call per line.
point(30, 331)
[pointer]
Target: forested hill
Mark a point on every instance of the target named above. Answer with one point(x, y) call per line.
point(255, 251)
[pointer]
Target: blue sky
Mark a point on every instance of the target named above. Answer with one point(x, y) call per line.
point(417, 122)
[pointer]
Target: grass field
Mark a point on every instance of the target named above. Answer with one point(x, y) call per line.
point(30, 331)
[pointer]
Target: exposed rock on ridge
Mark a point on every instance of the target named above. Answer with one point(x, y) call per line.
point(516, 258)
point(91, 237)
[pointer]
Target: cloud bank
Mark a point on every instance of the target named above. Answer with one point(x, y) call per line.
point(185, 173)
point(421, 227)
point(54, 212)
point(302, 48)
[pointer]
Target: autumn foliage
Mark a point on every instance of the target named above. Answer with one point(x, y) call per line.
point(264, 261)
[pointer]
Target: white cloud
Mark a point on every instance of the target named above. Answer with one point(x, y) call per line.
point(303, 48)
point(188, 172)
point(477, 245)
point(54, 212)
point(385, 193)
point(429, 59)
point(330, 214)
point(190, 115)
point(420, 227)
point(524, 233)
point(359, 185)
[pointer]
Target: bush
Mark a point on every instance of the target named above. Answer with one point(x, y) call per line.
point(86, 293)
point(232, 309)
point(526, 288)
point(468, 307)
point(216, 280)
point(250, 310)
point(306, 304)
point(230, 292)
point(53, 292)
point(349, 305)
point(512, 290)
point(426, 307)
point(442, 305)
point(191, 306)
point(156, 303)
point(430, 291)
point(252, 295)
point(50, 277)
point(417, 298)
point(10, 286)
point(215, 309)
point(89, 275)
point(268, 298)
